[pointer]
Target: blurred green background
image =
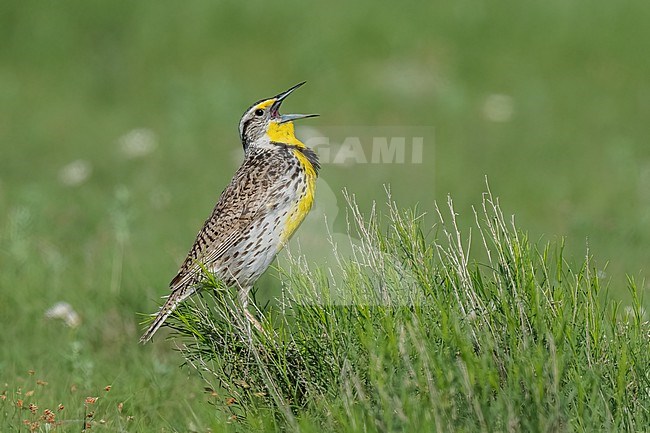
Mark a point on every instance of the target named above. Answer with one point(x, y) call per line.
point(118, 131)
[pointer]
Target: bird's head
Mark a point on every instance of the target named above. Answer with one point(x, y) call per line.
point(263, 123)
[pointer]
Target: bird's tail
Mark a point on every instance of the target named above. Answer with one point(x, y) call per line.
point(165, 311)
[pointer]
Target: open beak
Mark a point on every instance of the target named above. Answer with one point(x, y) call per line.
point(291, 117)
point(275, 108)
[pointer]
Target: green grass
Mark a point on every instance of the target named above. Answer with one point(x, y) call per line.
point(416, 336)
point(77, 77)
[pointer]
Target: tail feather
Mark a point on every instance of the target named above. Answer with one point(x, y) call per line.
point(165, 311)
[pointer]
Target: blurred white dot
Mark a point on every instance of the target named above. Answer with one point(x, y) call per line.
point(75, 173)
point(160, 198)
point(138, 143)
point(64, 311)
point(498, 108)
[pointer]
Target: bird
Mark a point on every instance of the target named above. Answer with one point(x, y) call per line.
point(257, 213)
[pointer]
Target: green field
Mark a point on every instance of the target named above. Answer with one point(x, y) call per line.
point(118, 131)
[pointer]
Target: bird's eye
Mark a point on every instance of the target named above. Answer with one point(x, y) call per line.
point(259, 112)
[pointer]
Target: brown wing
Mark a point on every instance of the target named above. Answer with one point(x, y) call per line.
point(241, 204)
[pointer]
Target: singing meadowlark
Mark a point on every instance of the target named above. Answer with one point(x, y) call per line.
point(265, 202)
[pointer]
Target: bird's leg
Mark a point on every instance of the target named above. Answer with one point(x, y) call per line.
point(253, 321)
point(243, 300)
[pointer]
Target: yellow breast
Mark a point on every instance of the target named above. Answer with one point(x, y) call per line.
point(302, 207)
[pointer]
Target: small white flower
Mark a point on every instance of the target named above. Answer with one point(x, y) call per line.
point(75, 173)
point(64, 311)
point(498, 108)
point(138, 143)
